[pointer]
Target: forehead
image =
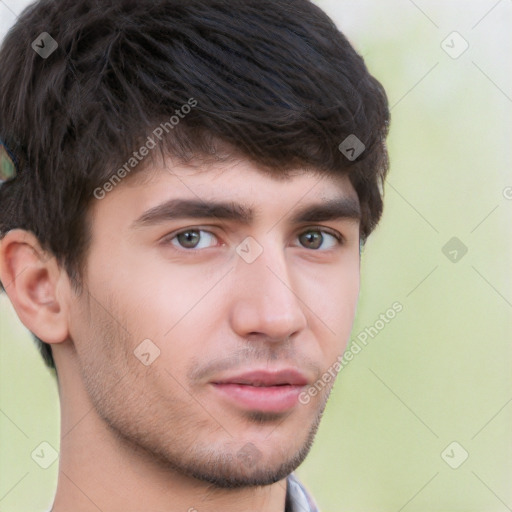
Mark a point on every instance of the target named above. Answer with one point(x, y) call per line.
point(237, 190)
point(214, 174)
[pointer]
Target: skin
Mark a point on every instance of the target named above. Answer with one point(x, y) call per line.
point(161, 437)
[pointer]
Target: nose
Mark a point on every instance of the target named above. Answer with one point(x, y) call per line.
point(266, 299)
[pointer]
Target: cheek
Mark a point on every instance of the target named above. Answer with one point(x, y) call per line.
point(332, 291)
point(159, 306)
point(151, 294)
point(331, 296)
point(166, 301)
point(166, 314)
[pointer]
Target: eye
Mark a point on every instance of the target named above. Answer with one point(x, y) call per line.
point(314, 239)
point(192, 239)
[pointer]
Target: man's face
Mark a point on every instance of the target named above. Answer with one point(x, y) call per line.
point(238, 326)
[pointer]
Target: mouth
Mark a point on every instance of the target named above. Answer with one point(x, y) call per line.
point(262, 390)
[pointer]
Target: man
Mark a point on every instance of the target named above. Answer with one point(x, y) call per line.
point(187, 186)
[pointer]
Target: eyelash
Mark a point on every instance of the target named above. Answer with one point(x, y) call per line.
point(168, 238)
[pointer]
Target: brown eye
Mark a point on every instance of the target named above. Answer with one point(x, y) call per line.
point(315, 238)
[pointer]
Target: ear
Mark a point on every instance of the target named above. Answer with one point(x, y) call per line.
point(36, 285)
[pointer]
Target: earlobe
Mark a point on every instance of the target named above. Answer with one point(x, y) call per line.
point(36, 285)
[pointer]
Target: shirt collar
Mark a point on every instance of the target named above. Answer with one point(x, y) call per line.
point(297, 498)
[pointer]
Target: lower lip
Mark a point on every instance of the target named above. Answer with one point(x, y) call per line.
point(266, 399)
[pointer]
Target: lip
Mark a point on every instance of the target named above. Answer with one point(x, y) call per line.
point(262, 390)
point(285, 376)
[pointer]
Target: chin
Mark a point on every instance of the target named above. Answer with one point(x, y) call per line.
point(240, 471)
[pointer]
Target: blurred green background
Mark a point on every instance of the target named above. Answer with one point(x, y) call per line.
point(434, 384)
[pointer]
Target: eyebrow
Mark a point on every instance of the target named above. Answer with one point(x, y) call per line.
point(332, 209)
